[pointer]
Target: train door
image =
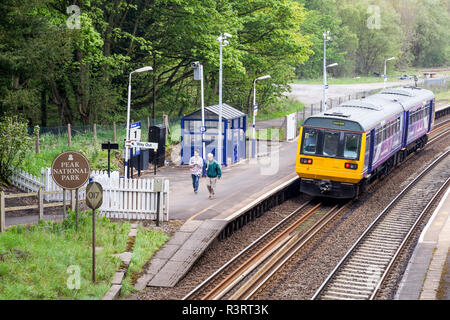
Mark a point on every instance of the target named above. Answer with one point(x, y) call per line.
point(372, 145)
point(430, 113)
point(405, 128)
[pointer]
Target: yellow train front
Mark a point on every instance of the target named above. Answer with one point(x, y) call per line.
point(342, 150)
point(330, 160)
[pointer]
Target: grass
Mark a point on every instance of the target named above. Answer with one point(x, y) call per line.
point(443, 96)
point(52, 145)
point(278, 110)
point(392, 77)
point(147, 242)
point(35, 260)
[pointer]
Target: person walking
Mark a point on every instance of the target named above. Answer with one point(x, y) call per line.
point(196, 166)
point(213, 172)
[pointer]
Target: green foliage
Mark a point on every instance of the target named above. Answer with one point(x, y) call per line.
point(75, 76)
point(52, 145)
point(14, 142)
point(147, 242)
point(53, 75)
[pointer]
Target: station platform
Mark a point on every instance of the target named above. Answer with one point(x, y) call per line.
point(427, 276)
point(241, 187)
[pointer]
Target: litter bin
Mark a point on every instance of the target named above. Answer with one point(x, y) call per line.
point(142, 160)
point(157, 134)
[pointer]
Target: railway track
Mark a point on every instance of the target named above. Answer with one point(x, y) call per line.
point(439, 131)
point(362, 271)
point(278, 242)
point(244, 275)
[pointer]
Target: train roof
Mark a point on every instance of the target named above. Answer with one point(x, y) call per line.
point(364, 114)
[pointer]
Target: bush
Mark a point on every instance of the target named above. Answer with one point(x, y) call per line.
point(14, 142)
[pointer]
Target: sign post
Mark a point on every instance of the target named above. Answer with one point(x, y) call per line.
point(109, 146)
point(71, 170)
point(94, 199)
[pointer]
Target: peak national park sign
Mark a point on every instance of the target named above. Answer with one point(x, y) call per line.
point(70, 170)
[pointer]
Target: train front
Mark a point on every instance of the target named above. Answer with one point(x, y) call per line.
point(330, 157)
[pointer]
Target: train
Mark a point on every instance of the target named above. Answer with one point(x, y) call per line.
point(344, 149)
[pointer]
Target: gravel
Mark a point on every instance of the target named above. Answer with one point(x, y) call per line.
point(300, 279)
point(220, 252)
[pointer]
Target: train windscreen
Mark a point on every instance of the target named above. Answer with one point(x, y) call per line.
point(331, 143)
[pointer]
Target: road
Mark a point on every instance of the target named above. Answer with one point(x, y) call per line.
point(312, 93)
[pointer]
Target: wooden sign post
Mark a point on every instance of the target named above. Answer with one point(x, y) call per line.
point(94, 199)
point(70, 171)
point(109, 146)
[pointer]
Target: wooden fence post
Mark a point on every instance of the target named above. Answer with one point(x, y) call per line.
point(2, 212)
point(72, 200)
point(69, 135)
point(38, 147)
point(41, 204)
point(114, 132)
point(95, 133)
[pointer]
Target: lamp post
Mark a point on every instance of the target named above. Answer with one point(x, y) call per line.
point(198, 75)
point(385, 75)
point(325, 85)
point(144, 69)
point(254, 113)
point(223, 42)
point(326, 38)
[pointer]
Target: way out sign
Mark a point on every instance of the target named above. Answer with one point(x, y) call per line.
point(94, 195)
point(70, 170)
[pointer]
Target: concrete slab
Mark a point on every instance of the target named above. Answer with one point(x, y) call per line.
point(141, 283)
point(179, 238)
point(166, 251)
point(233, 189)
point(190, 226)
point(113, 292)
point(118, 277)
point(423, 274)
point(132, 233)
point(125, 257)
point(155, 265)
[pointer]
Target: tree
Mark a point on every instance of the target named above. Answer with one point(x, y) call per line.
point(15, 143)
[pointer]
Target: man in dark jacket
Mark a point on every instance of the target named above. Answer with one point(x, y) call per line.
point(213, 172)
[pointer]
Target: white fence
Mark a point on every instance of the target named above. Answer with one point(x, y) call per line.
point(291, 126)
point(133, 199)
point(122, 198)
point(30, 183)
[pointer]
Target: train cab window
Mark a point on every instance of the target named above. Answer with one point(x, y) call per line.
point(351, 146)
point(310, 141)
point(330, 144)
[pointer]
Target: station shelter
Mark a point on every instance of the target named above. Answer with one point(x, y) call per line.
point(234, 127)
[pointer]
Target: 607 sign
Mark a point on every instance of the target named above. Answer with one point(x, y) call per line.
point(94, 195)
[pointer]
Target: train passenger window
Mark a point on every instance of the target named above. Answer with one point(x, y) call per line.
point(310, 141)
point(330, 144)
point(351, 146)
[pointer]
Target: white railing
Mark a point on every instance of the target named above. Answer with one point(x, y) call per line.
point(26, 181)
point(30, 183)
point(291, 126)
point(133, 199)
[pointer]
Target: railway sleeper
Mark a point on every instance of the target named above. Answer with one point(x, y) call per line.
point(259, 209)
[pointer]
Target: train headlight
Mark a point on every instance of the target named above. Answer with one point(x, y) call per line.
point(306, 161)
point(352, 166)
